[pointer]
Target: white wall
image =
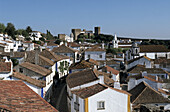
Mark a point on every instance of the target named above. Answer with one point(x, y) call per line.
point(114, 101)
point(95, 55)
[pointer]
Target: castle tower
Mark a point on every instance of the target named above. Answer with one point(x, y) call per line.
point(96, 30)
point(115, 41)
point(76, 32)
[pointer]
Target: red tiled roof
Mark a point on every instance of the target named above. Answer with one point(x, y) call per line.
point(153, 48)
point(89, 91)
point(39, 83)
point(94, 49)
point(81, 77)
point(110, 69)
point(144, 94)
point(17, 96)
point(63, 49)
point(5, 66)
point(36, 68)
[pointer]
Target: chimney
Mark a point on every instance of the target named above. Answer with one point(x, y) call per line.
point(102, 45)
point(37, 51)
point(25, 56)
point(157, 78)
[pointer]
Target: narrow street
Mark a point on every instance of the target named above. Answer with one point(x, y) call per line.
point(57, 95)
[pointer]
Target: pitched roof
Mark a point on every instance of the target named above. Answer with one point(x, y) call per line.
point(94, 49)
point(15, 54)
point(39, 83)
point(138, 76)
point(153, 48)
point(17, 96)
point(52, 56)
point(81, 77)
point(42, 60)
point(5, 66)
point(110, 69)
point(135, 59)
point(139, 68)
point(92, 61)
point(63, 49)
point(161, 61)
point(36, 68)
point(108, 81)
point(143, 93)
point(89, 91)
point(81, 65)
point(73, 44)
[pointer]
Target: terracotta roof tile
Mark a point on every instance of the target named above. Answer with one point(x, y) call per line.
point(5, 66)
point(110, 69)
point(89, 91)
point(81, 65)
point(17, 96)
point(81, 77)
point(39, 83)
point(52, 56)
point(94, 49)
point(143, 93)
point(36, 68)
point(42, 60)
point(63, 49)
point(153, 48)
point(139, 68)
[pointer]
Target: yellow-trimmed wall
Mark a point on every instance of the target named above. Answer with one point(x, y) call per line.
point(86, 105)
point(128, 104)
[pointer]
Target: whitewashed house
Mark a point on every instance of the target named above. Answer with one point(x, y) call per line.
point(64, 50)
point(142, 60)
point(148, 99)
point(151, 51)
point(38, 86)
point(6, 69)
point(150, 71)
point(98, 97)
point(95, 53)
point(36, 72)
point(62, 62)
point(86, 78)
point(35, 35)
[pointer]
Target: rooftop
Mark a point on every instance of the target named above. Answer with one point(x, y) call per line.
point(94, 49)
point(5, 66)
point(143, 93)
point(81, 77)
point(36, 68)
point(39, 83)
point(17, 96)
point(63, 49)
point(89, 91)
point(153, 48)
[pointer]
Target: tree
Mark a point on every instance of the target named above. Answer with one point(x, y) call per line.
point(2, 28)
point(28, 29)
point(49, 35)
point(10, 29)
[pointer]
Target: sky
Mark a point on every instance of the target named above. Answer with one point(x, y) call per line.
point(128, 18)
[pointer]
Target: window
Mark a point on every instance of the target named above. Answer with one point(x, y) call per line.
point(100, 105)
point(100, 56)
point(89, 56)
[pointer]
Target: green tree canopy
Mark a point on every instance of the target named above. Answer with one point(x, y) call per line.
point(49, 35)
point(2, 28)
point(10, 29)
point(28, 29)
